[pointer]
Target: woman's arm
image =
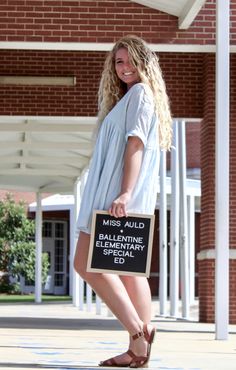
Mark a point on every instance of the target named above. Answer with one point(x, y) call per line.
point(132, 164)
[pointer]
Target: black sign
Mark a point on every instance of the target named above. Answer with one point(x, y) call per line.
point(121, 245)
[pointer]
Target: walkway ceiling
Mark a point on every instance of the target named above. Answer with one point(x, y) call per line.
point(44, 154)
point(185, 10)
point(48, 154)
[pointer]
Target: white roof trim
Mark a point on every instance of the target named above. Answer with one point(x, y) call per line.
point(77, 46)
point(185, 10)
point(189, 13)
point(56, 202)
point(165, 6)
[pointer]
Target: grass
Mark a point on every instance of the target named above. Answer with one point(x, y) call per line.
point(22, 298)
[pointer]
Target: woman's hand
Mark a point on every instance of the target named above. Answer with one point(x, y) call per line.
point(132, 164)
point(118, 207)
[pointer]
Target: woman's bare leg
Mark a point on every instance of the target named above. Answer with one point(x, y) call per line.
point(139, 292)
point(113, 292)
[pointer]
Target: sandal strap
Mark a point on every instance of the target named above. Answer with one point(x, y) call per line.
point(136, 359)
point(138, 335)
point(110, 362)
point(149, 336)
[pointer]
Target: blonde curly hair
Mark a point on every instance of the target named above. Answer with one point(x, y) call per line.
point(112, 89)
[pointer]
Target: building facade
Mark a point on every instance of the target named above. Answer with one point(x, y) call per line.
point(70, 39)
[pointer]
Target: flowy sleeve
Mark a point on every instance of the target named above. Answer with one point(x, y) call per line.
point(140, 112)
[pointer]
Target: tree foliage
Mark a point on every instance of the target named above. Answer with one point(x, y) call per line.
point(17, 248)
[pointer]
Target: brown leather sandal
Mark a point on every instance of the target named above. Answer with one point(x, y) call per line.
point(142, 361)
point(112, 362)
point(136, 361)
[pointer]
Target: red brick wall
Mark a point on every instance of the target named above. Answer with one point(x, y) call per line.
point(183, 76)
point(80, 99)
point(207, 238)
point(182, 73)
point(232, 292)
point(206, 289)
point(193, 144)
point(233, 152)
point(206, 267)
point(27, 197)
point(208, 156)
point(233, 188)
point(99, 21)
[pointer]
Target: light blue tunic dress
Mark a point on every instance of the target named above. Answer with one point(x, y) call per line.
point(133, 115)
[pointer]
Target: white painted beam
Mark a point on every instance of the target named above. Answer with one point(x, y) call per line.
point(70, 46)
point(27, 159)
point(60, 185)
point(41, 172)
point(16, 145)
point(189, 13)
point(49, 119)
point(46, 127)
point(170, 7)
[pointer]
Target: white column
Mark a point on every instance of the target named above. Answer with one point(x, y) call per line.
point(83, 180)
point(184, 252)
point(98, 305)
point(89, 297)
point(191, 240)
point(222, 170)
point(75, 276)
point(38, 261)
point(72, 246)
point(174, 225)
point(163, 237)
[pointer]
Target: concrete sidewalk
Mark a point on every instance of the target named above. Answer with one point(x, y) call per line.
point(59, 336)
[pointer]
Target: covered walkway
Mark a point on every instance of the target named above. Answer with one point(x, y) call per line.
point(57, 336)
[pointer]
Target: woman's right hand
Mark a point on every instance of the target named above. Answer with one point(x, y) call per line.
point(118, 207)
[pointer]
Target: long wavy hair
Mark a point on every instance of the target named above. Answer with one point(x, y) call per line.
point(112, 89)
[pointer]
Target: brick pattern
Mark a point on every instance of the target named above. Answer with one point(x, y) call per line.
point(207, 226)
point(208, 155)
point(182, 73)
point(183, 76)
point(80, 99)
point(100, 21)
point(232, 152)
point(193, 144)
point(206, 289)
point(26, 197)
point(232, 292)
point(206, 268)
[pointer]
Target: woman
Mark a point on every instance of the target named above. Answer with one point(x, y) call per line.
point(134, 122)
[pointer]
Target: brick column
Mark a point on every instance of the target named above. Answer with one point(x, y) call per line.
point(232, 271)
point(206, 257)
point(207, 230)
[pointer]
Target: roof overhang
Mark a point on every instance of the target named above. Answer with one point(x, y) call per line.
point(45, 154)
point(185, 10)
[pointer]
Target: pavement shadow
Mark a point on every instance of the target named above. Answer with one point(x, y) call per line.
point(46, 366)
point(59, 324)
